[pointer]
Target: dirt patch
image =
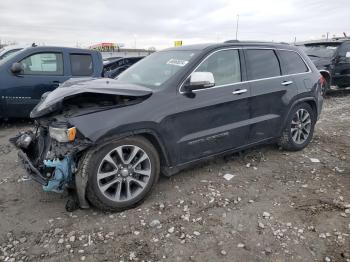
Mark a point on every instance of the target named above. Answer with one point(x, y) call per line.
point(316, 206)
point(279, 206)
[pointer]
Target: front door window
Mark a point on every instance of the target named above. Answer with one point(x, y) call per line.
point(43, 64)
point(224, 65)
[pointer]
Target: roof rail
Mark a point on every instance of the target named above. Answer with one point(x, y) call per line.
point(232, 41)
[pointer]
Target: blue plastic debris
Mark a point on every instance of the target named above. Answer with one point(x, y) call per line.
point(62, 175)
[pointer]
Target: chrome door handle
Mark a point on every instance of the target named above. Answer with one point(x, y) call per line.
point(286, 83)
point(239, 91)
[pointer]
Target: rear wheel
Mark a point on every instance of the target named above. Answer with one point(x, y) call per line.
point(122, 173)
point(299, 128)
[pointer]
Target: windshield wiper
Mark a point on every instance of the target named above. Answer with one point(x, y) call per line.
point(314, 55)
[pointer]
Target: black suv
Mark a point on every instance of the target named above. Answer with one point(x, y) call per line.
point(332, 59)
point(110, 139)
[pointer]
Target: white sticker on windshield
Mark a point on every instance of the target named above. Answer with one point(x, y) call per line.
point(347, 54)
point(177, 62)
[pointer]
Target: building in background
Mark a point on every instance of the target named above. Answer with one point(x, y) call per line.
point(177, 43)
point(116, 50)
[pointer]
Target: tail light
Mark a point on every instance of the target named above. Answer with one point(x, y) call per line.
point(322, 80)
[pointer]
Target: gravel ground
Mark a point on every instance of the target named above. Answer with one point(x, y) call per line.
point(276, 206)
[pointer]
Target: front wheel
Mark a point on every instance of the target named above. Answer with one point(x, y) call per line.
point(121, 173)
point(299, 128)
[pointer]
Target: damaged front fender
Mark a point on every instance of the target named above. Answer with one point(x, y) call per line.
point(50, 163)
point(70, 92)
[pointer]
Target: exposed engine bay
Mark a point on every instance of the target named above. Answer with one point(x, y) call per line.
point(52, 150)
point(90, 102)
point(51, 163)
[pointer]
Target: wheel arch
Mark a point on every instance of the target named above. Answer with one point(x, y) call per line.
point(309, 100)
point(81, 179)
point(149, 134)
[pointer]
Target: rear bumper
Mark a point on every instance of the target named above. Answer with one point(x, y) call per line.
point(32, 171)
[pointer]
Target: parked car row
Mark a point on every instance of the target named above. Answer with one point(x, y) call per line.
point(332, 59)
point(111, 139)
point(113, 67)
point(27, 73)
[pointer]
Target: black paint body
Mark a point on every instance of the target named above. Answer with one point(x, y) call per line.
point(186, 128)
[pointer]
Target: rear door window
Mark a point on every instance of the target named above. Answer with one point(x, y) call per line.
point(81, 64)
point(292, 63)
point(262, 63)
point(43, 64)
point(224, 65)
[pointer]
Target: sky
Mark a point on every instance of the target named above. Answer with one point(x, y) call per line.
point(158, 23)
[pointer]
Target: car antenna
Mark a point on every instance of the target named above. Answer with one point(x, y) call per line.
point(34, 45)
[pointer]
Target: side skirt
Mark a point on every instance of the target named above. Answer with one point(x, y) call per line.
point(170, 171)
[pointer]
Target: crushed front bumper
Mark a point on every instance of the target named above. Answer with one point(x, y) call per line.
point(52, 164)
point(32, 171)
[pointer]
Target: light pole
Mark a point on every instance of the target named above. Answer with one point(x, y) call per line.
point(237, 27)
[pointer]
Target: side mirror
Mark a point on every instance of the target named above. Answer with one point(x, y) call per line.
point(17, 68)
point(199, 80)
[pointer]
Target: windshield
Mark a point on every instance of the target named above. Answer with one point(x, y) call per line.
point(7, 56)
point(157, 68)
point(322, 51)
point(8, 53)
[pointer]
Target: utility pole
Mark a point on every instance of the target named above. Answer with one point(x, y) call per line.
point(237, 27)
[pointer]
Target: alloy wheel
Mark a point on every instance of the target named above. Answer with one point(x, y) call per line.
point(301, 126)
point(124, 173)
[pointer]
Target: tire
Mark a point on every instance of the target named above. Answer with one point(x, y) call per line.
point(289, 139)
point(129, 185)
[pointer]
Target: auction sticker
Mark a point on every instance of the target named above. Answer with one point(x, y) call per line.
point(177, 62)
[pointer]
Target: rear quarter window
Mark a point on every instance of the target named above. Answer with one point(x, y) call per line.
point(262, 63)
point(344, 49)
point(292, 63)
point(81, 64)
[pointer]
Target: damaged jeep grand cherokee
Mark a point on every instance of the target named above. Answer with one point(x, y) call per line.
point(109, 140)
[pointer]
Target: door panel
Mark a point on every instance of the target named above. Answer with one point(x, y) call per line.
point(269, 101)
point(213, 121)
point(25, 92)
point(270, 92)
point(42, 72)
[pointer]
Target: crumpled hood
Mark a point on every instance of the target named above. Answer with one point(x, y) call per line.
point(52, 101)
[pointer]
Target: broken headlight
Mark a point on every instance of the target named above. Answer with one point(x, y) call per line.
point(62, 134)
